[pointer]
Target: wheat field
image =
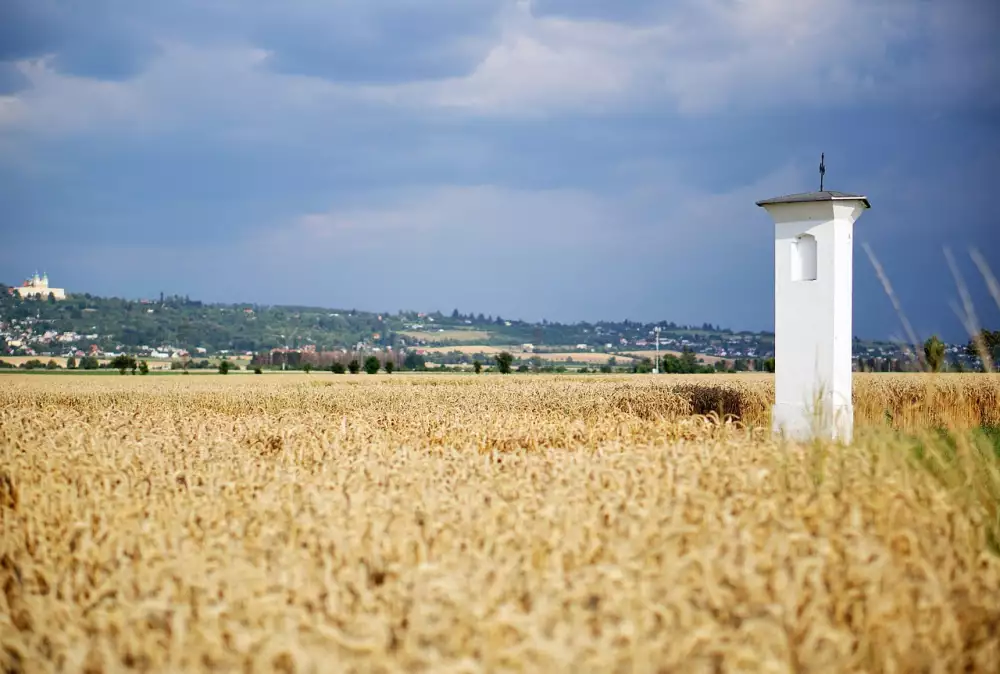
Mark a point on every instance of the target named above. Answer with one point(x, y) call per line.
point(435, 523)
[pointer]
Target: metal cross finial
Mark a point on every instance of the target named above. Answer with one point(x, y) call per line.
point(822, 169)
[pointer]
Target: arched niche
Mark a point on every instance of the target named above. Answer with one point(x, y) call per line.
point(804, 258)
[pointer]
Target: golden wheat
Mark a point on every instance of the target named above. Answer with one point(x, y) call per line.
point(474, 524)
point(901, 401)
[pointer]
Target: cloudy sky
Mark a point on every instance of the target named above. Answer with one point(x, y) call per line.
point(565, 159)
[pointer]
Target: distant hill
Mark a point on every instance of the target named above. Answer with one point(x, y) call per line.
point(179, 323)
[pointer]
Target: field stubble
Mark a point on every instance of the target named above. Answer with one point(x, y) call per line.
point(435, 523)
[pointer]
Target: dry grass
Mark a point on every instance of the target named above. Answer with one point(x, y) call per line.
point(473, 524)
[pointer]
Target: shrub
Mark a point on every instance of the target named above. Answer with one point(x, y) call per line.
point(372, 365)
point(354, 366)
point(477, 366)
point(338, 368)
point(389, 367)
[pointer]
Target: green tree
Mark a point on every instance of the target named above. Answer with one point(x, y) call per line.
point(307, 367)
point(689, 361)
point(414, 361)
point(143, 367)
point(504, 360)
point(123, 362)
point(89, 363)
point(71, 363)
point(257, 370)
point(354, 366)
point(477, 366)
point(643, 366)
point(224, 367)
point(52, 365)
point(985, 346)
point(934, 353)
point(337, 367)
point(389, 366)
point(372, 365)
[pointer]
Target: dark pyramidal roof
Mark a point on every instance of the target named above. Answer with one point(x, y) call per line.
point(825, 195)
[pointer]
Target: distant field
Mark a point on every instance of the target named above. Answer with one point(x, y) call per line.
point(457, 335)
point(469, 349)
point(561, 356)
point(709, 360)
point(242, 361)
point(17, 360)
point(580, 357)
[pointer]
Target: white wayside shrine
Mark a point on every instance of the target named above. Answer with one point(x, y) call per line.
point(813, 302)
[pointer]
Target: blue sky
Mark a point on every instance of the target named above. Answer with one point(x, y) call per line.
point(565, 159)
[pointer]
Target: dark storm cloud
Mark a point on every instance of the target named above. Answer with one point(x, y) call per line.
point(633, 11)
point(567, 160)
point(100, 39)
point(353, 42)
point(384, 42)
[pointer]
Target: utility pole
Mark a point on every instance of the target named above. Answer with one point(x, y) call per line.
point(656, 331)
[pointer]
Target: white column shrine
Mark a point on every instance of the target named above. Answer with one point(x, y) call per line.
point(813, 304)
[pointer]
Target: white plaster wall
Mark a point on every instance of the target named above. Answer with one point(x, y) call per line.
point(23, 291)
point(813, 321)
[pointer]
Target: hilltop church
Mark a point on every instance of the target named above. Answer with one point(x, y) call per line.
point(38, 287)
